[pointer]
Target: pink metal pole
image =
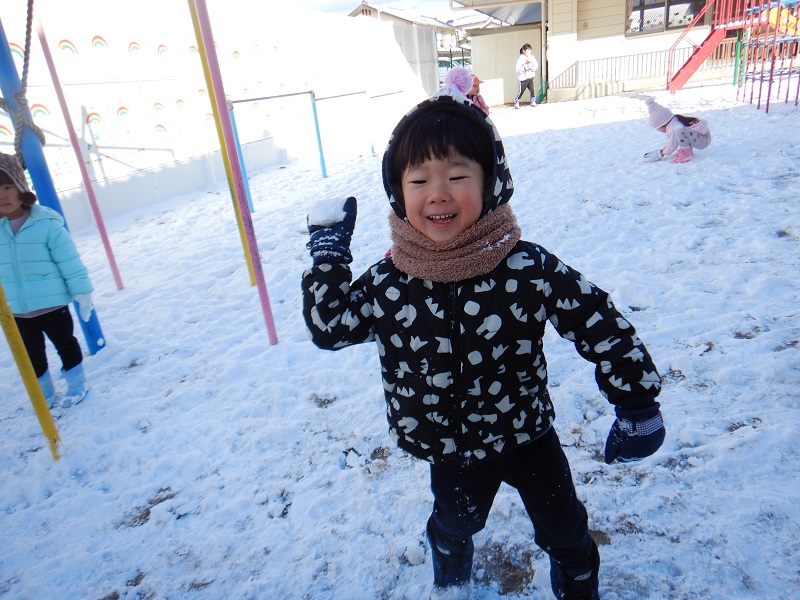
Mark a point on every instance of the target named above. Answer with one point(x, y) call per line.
point(73, 137)
point(236, 169)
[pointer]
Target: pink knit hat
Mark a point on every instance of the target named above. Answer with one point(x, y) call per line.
point(659, 116)
point(9, 165)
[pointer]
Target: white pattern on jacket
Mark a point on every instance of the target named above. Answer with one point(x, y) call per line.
point(463, 364)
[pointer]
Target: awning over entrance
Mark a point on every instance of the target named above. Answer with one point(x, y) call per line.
point(509, 11)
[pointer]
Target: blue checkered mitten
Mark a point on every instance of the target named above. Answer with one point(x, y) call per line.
point(331, 227)
point(635, 434)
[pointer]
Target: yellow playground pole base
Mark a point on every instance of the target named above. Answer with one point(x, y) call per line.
point(28, 375)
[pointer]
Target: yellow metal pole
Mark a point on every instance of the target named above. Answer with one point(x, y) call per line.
point(228, 170)
point(28, 376)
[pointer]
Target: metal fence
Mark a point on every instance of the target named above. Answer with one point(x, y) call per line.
point(649, 65)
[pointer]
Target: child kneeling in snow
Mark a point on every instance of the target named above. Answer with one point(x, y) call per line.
point(683, 133)
point(458, 314)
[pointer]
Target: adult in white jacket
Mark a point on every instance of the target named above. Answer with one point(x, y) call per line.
point(527, 66)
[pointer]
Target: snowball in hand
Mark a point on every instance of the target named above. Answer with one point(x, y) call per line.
point(327, 212)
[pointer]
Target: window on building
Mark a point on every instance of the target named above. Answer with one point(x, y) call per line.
point(651, 16)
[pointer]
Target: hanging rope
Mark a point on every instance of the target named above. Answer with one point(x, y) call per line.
point(19, 115)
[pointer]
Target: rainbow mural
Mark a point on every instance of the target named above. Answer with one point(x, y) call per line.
point(160, 129)
point(235, 54)
point(179, 103)
point(17, 50)
point(39, 110)
point(209, 118)
point(67, 46)
point(133, 47)
point(162, 49)
point(93, 118)
point(158, 107)
point(201, 92)
point(193, 50)
point(123, 111)
point(98, 42)
point(5, 131)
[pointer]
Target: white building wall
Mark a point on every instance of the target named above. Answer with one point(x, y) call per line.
point(420, 48)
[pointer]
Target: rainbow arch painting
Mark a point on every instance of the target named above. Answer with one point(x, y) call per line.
point(67, 46)
point(16, 50)
point(158, 107)
point(162, 49)
point(123, 111)
point(235, 54)
point(98, 42)
point(5, 131)
point(94, 118)
point(179, 103)
point(134, 47)
point(160, 128)
point(193, 50)
point(39, 110)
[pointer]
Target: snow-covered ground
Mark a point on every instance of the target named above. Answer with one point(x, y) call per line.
point(208, 464)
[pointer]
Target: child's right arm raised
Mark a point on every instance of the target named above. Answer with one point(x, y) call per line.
point(334, 310)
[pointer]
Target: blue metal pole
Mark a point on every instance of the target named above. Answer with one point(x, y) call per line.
point(35, 161)
point(241, 158)
point(316, 128)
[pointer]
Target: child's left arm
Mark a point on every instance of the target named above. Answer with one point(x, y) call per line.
point(625, 373)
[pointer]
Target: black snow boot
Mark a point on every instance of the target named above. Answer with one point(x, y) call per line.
point(576, 584)
point(452, 567)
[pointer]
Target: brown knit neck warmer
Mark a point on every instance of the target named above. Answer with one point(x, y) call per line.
point(473, 252)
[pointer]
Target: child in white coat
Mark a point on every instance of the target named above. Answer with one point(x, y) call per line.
point(683, 133)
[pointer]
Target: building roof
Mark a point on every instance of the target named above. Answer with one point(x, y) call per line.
point(511, 12)
point(468, 20)
point(399, 13)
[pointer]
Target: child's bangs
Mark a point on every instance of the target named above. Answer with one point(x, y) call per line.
point(439, 135)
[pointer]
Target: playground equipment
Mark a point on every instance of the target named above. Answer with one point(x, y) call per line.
point(73, 138)
point(766, 50)
point(28, 375)
point(205, 43)
point(240, 155)
point(28, 144)
point(771, 61)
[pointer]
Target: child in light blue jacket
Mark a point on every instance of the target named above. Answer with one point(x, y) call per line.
point(41, 273)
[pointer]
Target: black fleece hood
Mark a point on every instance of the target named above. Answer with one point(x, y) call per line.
point(500, 187)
